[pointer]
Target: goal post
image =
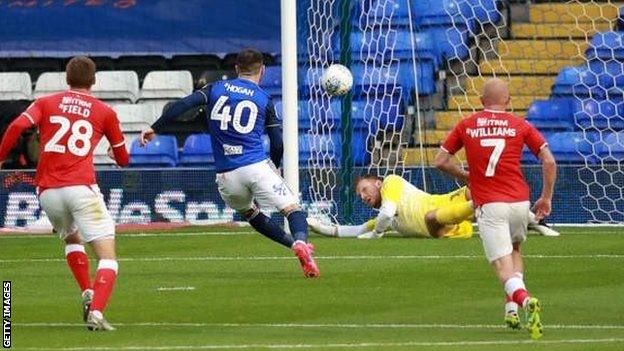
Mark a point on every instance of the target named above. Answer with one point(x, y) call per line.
point(290, 93)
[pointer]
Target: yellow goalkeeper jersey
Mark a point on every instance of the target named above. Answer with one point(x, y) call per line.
point(413, 204)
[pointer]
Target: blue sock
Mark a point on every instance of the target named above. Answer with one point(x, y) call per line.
point(264, 226)
point(298, 225)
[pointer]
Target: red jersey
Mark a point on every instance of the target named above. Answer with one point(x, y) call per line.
point(494, 142)
point(71, 124)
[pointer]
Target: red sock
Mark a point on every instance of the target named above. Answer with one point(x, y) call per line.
point(519, 296)
point(78, 262)
point(103, 284)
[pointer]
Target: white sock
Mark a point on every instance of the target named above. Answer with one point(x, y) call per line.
point(511, 307)
point(512, 284)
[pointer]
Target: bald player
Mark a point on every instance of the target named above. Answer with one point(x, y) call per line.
point(493, 139)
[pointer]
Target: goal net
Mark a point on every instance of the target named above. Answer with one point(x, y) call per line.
point(366, 131)
point(564, 61)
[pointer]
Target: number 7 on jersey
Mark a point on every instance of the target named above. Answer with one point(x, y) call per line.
point(499, 146)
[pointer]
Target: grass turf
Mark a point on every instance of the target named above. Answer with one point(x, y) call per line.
point(249, 293)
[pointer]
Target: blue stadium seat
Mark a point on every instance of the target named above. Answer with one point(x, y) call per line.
point(452, 12)
point(552, 115)
point(272, 80)
point(571, 147)
point(392, 12)
point(327, 150)
point(382, 80)
point(162, 151)
point(606, 46)
point(484, 11)
point(197, 151)
point(400, 44)
point(361, 157)
point(599, 114)
point(384, 113)
point(612, 150)
point(577, 81)
point(610, 75)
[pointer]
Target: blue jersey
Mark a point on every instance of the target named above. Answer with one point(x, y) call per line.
point(238, 111)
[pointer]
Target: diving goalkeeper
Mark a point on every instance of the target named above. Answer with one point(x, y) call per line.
point(411, 212)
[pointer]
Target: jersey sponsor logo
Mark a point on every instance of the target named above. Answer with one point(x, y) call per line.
point(75, 106)
point(487, 122)
point(491, 132)
point(237, 89)
point(232, 149)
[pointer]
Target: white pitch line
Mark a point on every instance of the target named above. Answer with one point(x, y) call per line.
point(175, 288)
point(135, 235)
point(339, 345)
point(348, 257)
point(329, 325)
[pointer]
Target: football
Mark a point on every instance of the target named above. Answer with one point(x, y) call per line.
point(336, 80)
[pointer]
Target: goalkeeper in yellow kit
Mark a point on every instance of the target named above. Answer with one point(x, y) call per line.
point(411, 212)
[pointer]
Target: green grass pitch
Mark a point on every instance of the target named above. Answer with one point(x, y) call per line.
point(239, 291)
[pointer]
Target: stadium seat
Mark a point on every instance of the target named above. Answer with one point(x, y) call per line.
point(599, 114)
point(571, 147)
point(197, 151)
point(49, 83)
point(612, 150)
point(577, 81)
point(156, 106)
point(319, 150)
point(167, 85)
point(141, 64)
point(15, 86)
point(324, 117)
point(117, 86)
point(384, 113)
point(396, 79)
point(554, 115)
point(610, 75)
point(162, 151)
point(606, 46)
point(272, 80)
point(483, 11)
point(394, 13)
point(135, 117)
